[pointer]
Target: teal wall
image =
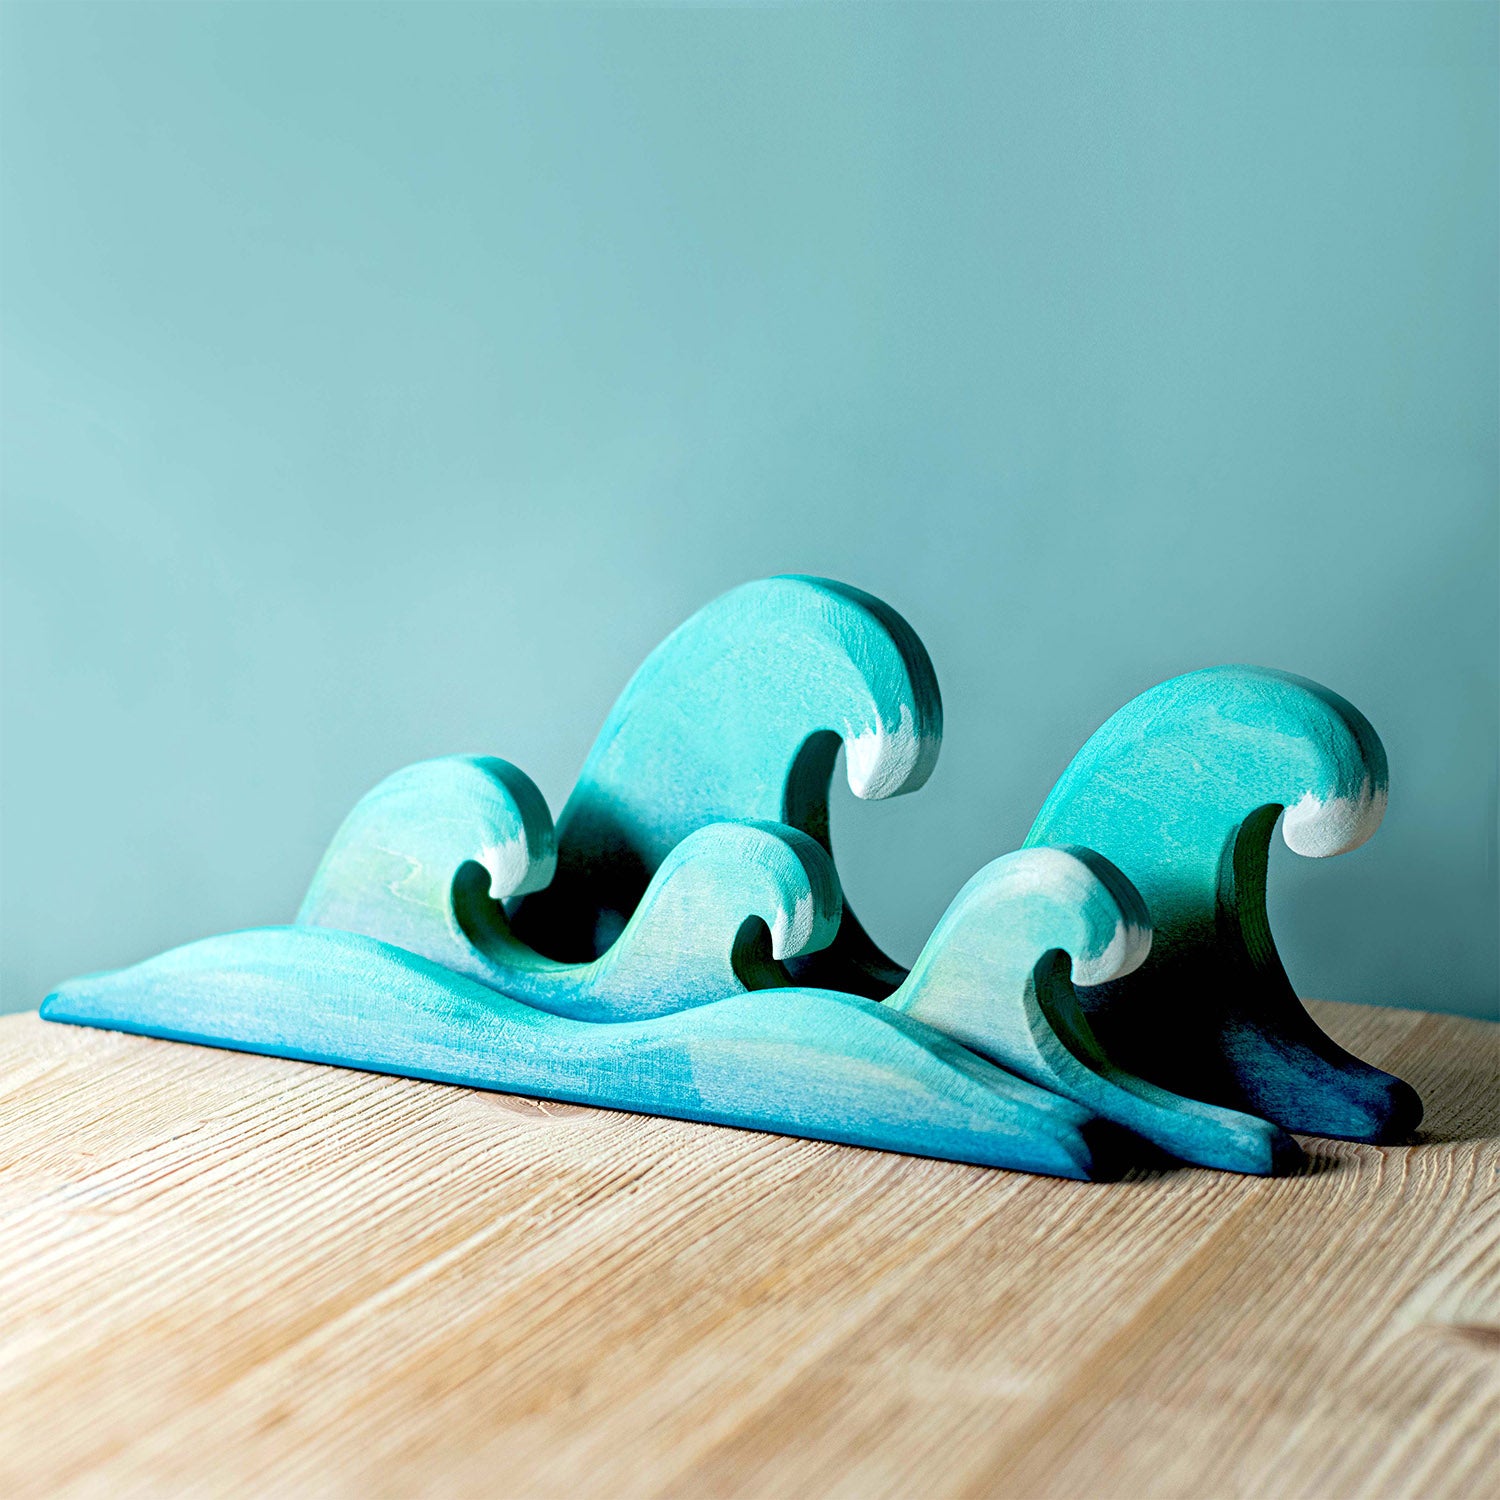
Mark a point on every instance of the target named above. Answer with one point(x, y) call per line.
point(382, 382)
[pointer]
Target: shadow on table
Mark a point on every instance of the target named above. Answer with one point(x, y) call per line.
point(1452, 1062)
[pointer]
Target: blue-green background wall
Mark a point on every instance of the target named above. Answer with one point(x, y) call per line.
point(381, 382)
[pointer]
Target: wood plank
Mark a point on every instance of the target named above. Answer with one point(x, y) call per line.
point(225, 1274)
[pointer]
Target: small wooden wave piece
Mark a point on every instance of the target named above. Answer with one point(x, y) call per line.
point(413, 865)
point(999, 975)
point(1181, 789)
point(426, 859)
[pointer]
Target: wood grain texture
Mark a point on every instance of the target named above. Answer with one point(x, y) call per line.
point(238, 1275)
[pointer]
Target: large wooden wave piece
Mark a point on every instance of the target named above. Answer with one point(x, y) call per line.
point(1182, 789)
point(739, 714)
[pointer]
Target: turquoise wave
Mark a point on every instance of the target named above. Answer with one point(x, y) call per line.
point(427, 858)
point(1182, 790)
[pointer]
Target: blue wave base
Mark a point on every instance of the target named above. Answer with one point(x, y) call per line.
point(799, 1062)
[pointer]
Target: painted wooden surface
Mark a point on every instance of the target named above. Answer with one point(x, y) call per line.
point(224, 1274)
point(806, 1062)
point(692, 865)
point(999, 975)
point(1182, 789)
point(740, 713)
point(685, 1038)
point(427, 858)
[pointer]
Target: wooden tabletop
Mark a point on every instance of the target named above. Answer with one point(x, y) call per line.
point(223, 1274)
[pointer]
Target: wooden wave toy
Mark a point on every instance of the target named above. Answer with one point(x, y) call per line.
point(679, 945)
point(413, 865)
point(802, 1062)
point(1182, 789)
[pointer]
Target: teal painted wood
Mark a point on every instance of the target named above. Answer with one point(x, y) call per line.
point(741, 711)
point(998, 975)
point(1181, 790)
point(739, 715)
point(415, 865)
point(389, 870)
point(666, 892)
point(426, 859)
point(796, 1062)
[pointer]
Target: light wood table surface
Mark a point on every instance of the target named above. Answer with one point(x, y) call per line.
point(225, 1274)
